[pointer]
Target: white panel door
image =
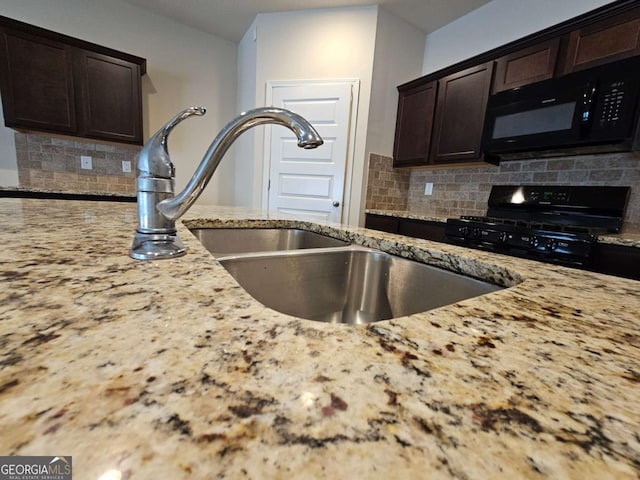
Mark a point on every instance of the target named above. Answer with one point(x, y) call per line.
point(310, 183)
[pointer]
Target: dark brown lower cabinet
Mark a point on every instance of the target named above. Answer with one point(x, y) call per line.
point(618, 260)
point(429, 230)
point(422, 229)
point(384, 223)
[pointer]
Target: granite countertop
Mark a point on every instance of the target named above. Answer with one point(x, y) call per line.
point(169, 369)
point(627, 239)
point(405, 214)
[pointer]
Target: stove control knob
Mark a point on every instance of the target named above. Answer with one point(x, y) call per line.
point(552, 245)
point(475, 233)
point(535, 242)
point(503, 237)
point(463, 231)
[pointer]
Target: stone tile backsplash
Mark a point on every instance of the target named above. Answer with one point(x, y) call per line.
point(53, 163)
point(465, 190)
point(387, 188)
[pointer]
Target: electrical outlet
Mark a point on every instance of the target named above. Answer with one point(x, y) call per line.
point(428, 188)
point(126, 166)
point(85, 162)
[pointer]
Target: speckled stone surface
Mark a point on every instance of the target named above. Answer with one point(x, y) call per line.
point(169, 369)
point(624, 239)
point(627, 239)
point(404, 214)
point(18, 190)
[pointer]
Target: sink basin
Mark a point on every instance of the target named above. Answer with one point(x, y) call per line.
point(349, 285)
point(229, 241)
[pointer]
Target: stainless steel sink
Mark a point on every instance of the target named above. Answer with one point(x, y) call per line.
point(228, 241)
point(349, 285)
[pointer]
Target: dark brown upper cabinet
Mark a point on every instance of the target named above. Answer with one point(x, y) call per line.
point(110, 97)
point(604, 42)
point(37, 83)
point(416, 107)
point(526, 66)
point(54, 83)
point(450, 131)
point(459, 118)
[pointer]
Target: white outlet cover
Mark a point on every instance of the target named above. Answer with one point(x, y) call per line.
point(85, 162)
point(428, 188)
point(126, 166)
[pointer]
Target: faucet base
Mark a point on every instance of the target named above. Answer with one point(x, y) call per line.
point(154, 246)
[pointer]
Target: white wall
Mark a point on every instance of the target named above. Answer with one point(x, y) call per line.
point(494, 24)
point(305, 45)
point(184, 67)
point(399, 46)
point(8, 159)
point(247, 186)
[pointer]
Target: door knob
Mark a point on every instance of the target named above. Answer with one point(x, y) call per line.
point(336, 203)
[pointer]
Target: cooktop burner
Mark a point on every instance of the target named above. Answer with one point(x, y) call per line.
point(557, 224)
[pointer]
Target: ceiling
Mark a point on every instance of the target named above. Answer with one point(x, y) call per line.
point(229, 19)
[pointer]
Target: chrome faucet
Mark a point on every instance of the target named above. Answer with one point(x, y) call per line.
point(159, 208)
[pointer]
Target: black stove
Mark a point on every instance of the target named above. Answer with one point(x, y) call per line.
point(556, 224)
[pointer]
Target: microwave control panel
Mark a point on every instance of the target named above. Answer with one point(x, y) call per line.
point(613, 96)
point(616, 103)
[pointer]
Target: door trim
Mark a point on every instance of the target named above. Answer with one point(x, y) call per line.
point(353, 120)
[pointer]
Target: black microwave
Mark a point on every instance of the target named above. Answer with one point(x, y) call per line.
point(594, 110)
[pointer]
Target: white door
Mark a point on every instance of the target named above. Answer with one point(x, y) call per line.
point(310, 183)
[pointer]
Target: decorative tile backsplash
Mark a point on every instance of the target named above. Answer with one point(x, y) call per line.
point(53, 163)
point(387, 189)
point(465, 190)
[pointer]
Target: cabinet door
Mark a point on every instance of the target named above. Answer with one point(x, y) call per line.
point(618, 260)
point(526, 66)
point(422, 229)
point(413, 125)
point(604, 42)
point(459, 118)
point(37, 83)
point(111, 100)
point(381, 222)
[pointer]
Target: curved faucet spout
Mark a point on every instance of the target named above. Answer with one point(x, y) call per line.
point(156, 236)
point(174, 208)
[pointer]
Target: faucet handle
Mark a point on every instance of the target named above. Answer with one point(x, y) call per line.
point(153, 160)
point(187, 112)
